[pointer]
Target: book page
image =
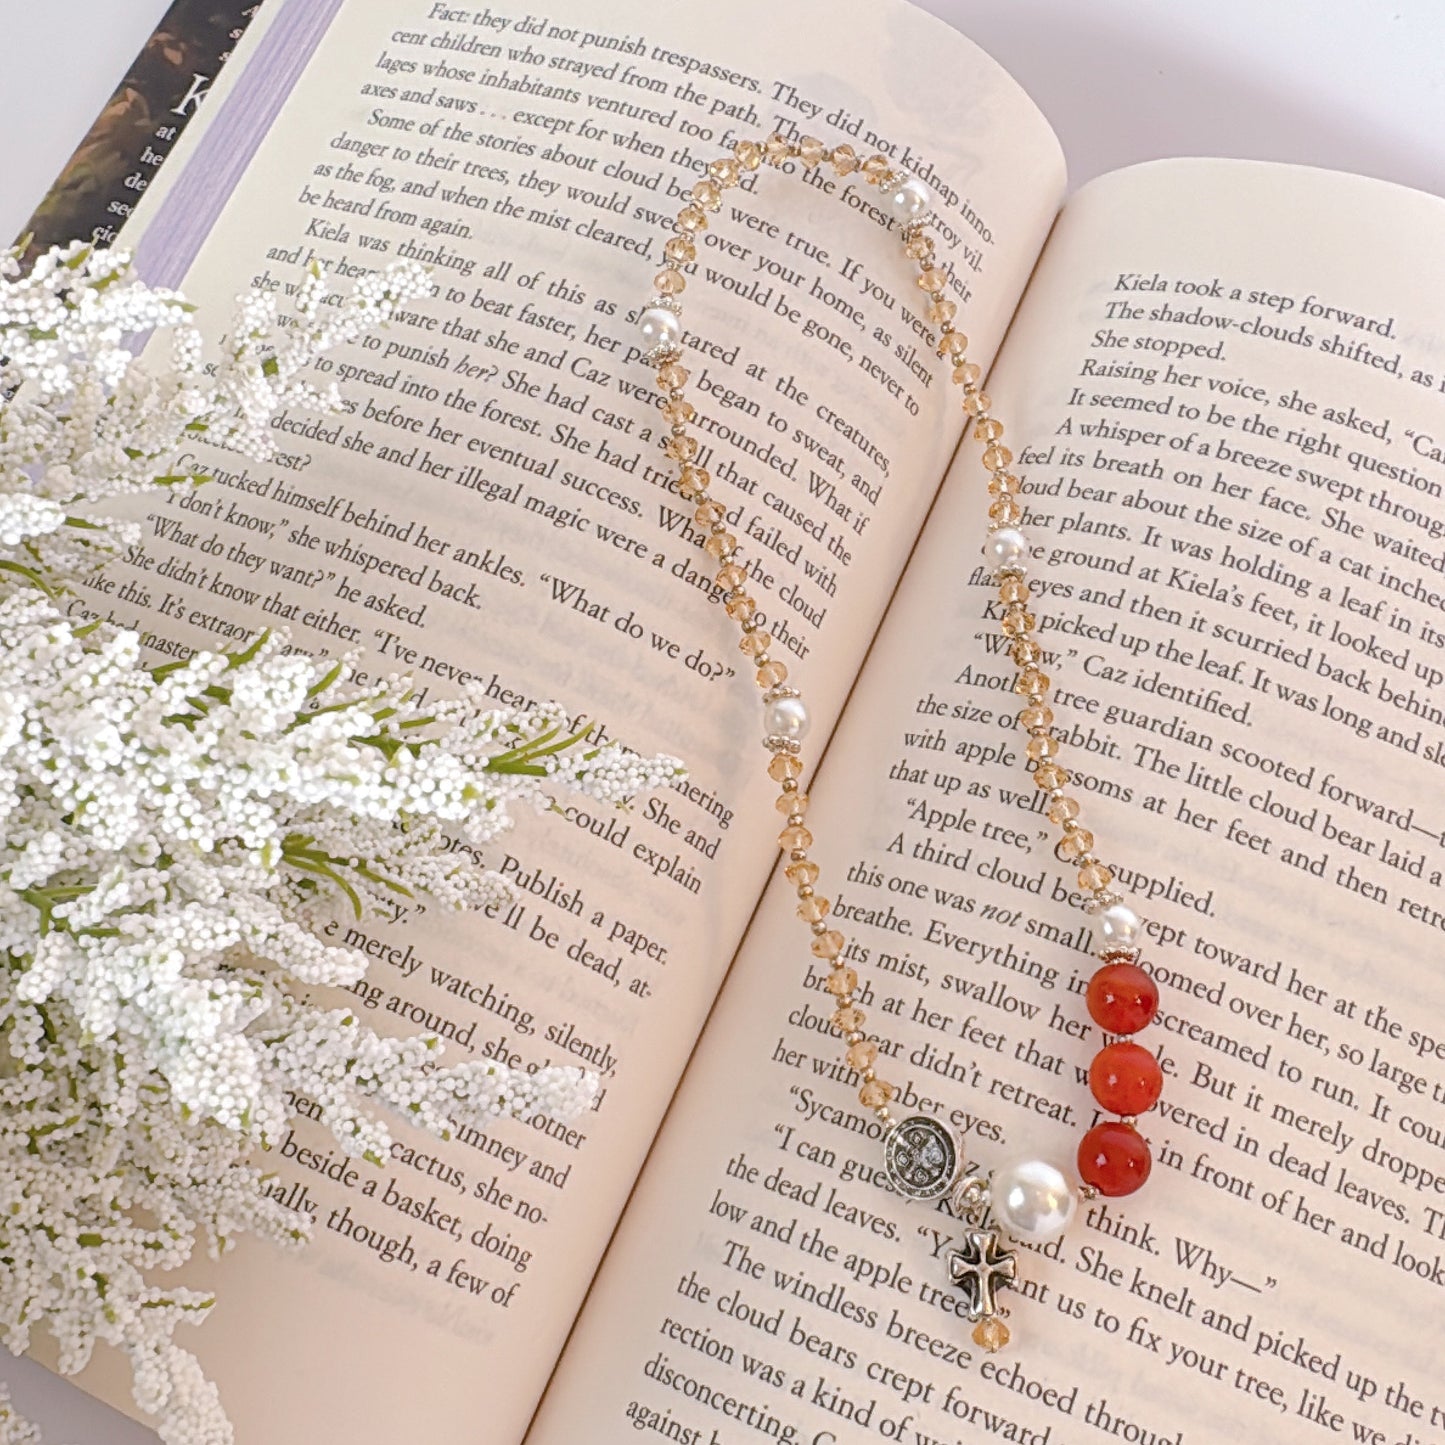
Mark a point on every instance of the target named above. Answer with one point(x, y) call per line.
point(1225, 387)
point(493, 506)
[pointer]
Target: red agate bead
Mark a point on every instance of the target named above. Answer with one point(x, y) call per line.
point(1122, 998)
point(1114, 1158)
point(1125, 1078)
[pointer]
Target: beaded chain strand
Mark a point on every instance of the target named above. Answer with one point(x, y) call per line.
point(1031, 1199)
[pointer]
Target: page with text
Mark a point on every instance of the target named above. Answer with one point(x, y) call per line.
point(1225, 389)
point(493, 507)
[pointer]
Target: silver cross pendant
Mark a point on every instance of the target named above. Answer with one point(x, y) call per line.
point(979, 1268)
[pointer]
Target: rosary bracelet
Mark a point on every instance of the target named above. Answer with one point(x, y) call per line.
point(1029, 1198)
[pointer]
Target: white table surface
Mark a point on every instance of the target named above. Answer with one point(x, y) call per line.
point(1356, 85)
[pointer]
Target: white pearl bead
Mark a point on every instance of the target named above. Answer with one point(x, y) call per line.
point(910, 200)
point(786, 717)
point(659, 326)
point(1008, 547)
point(1032, 1199)
point(1118, 926)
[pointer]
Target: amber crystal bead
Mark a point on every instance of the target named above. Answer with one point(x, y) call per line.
point(755, 644)
point(995, 457)
point(829, 944)
point(741, 607)
point(918, 246)
point(932, 280)
point(814, 909)
point(987, 429)
point(669, 282)
point(941, 313)
point(780, 768)
point(848, 1019)
point(679, 249)
point(749, 154)
point(708, 513)
point(1062, 810)
point(953, 343)
point(1024, 650)
point(1048, 776)
point(772, 673)
point(1031, 682)
point(967, 373)
point(725, 171)
point(731, 576)
point(1003, 484)
point(776, 149)
point(707, 193)
point(1095, 876)
point(802, 874)
point(876, 168)
point(991, 1334)
point(1125, 1078)
point(875, 1094)
point(1121, 998)
point(811, 150)
point(1114, 1159)
point(1018, 620)
point(671, 377)
point(1013, 589)
point(1006, 512)
point(976, 403)
point(862, 1055)
point(1076, 844)
point(681, 449)
point(1041, 747)
point(795, 836)
point(692, 218)
point(844, 160)
point(678, 412)
point(790, 803)
point(692, 483)
point(1036, 717)
point(720, 545)
point(842, 981)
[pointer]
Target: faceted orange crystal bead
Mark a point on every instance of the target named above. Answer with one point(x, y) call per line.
point(795, 835)
point(828, 944)
point(842, 981)
point(771, 673)
point(707, 193)
point(755, 643)
point(680, 249)
point(845, 159)
point(790, 803)
point(731, 577)
point(678, 412)
point(848, 1020)
point(802, 874)
point(671, 377)
point(875, 1093)
point(811, 150)
point(669, 282)
point(741, 607)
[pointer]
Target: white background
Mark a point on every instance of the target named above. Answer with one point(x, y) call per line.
point(1356, 85)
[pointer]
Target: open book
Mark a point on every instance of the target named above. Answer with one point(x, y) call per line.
point(1225, 384)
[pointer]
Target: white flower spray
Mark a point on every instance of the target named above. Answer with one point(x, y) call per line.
point(173, 835)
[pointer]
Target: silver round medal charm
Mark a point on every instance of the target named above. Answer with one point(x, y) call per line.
point(920, 1157)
